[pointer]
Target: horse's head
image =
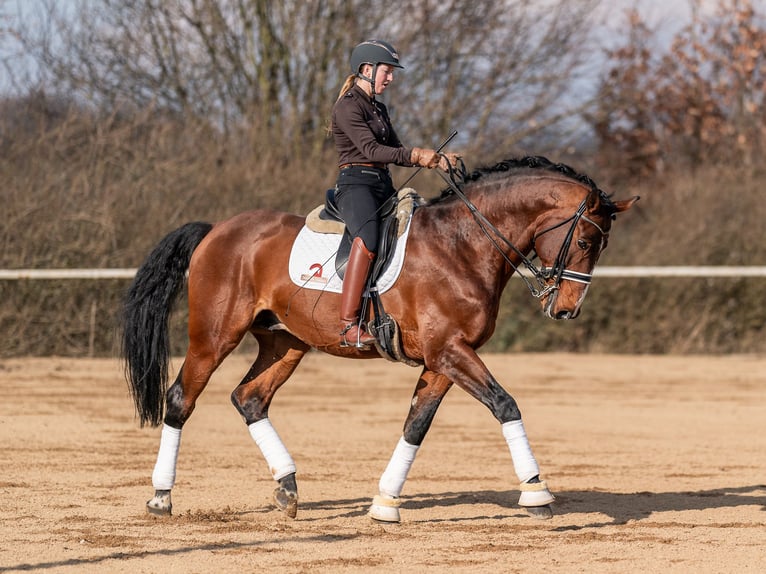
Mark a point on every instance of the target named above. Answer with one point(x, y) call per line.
point(569, 242)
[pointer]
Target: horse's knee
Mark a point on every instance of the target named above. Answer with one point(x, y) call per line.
point(428, 395)
point(501, 403)
point(419, 421)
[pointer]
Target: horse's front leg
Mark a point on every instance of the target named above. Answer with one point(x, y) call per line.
point(460, 364)
point(279, 353)
point(428, 395)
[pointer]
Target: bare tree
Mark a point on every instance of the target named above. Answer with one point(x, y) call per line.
point(499, 71)
point(700, 102)
point(502, 72)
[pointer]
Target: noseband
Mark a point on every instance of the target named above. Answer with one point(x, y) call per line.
point(542, 275)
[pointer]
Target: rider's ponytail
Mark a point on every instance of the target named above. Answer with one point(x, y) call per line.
point(347, 85)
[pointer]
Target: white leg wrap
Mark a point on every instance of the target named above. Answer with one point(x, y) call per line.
point(279, 460)
point(524, 462)
point(164, 475)
point(392, 480)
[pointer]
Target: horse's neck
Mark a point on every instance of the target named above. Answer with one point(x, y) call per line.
point(513, 217)
point(512, 212)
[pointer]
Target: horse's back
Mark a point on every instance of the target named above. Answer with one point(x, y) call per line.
point(258, 224)
point(249, 245)
point(249, 231)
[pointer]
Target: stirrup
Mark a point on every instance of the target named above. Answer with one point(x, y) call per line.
point(357, 344)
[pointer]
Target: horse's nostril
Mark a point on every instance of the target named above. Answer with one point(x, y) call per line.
point(563, 315)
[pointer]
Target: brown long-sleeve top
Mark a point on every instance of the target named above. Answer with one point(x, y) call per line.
point(363, 132)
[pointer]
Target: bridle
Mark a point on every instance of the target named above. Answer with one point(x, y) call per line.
point(542, 276)
point(558, 272)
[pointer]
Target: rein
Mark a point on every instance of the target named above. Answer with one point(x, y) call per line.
point(541, 275)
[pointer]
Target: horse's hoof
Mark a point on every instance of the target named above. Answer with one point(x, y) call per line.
point(385, 509)
point(535, 494)
point(286, 501)
point(540, 512)
point(160, 504)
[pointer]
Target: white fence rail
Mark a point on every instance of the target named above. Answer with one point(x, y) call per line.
point(630, 271)
point(11, 274)
point(688, 271)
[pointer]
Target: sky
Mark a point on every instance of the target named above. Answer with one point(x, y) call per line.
point(665, 16)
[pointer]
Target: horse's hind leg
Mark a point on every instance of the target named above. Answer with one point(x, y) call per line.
point(208, 348)
point(428, 395)
point(180, 400)
point(279, 353)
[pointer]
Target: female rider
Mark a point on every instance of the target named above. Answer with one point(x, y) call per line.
point(366, 143)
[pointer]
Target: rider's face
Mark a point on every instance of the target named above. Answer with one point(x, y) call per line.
point(383, 78)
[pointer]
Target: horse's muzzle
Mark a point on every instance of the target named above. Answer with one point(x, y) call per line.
point(562, 313)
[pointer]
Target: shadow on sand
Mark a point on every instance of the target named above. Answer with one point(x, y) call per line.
point(621, 508)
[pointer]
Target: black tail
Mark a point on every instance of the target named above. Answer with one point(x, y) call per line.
point(149, 301)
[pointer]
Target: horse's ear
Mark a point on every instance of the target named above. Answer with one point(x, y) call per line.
point(593, 200)
point(625, 204)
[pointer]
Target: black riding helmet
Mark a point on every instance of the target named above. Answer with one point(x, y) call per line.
point(373, 52)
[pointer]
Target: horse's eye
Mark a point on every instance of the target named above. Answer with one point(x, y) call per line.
point(582, 244)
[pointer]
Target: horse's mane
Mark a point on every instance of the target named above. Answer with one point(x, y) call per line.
point(510, 166)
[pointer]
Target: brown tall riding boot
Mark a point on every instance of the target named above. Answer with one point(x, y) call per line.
point(357, 269)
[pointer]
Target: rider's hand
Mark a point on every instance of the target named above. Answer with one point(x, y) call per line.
point(422, 157)
point(452, 158)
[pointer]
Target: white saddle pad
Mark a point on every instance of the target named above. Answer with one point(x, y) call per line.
point(312, 261)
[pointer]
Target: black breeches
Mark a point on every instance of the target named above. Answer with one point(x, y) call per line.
point(360, 191)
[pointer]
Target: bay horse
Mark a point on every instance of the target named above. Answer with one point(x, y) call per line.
point(462, 249)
